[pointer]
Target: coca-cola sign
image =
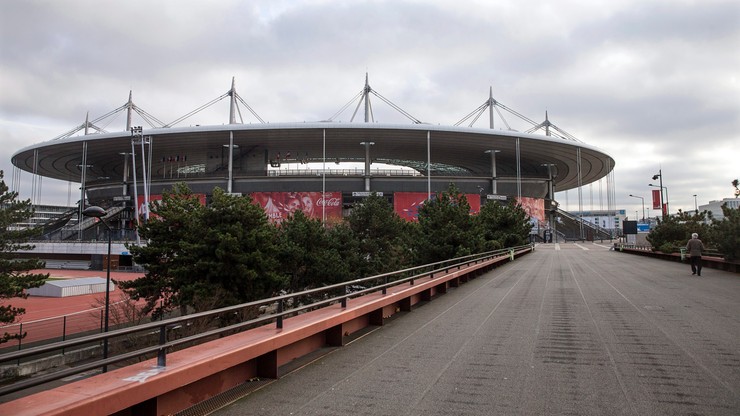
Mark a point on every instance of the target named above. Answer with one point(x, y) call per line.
point(316, 205)
point(329, 202)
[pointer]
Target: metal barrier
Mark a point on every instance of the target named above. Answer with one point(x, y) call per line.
point(711, 260)
point(273, 309)
point(58, 328)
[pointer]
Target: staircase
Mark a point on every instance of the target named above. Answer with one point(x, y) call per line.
point(571, 227)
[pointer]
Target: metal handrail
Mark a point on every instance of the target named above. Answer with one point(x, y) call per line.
point(162, 326)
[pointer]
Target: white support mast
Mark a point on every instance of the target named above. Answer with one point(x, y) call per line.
point(366, 97)
point(129, 111)
point(232, 120)
point(232, 105)
point(491, 103)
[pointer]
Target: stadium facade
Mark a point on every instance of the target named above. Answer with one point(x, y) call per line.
point(345, 160)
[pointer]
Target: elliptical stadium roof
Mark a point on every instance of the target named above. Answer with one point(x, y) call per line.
point(443, 153)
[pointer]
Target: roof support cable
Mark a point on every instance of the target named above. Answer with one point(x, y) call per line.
point(239, 111)
point(502, 118)
point(477, 111)
point(397, 108)
point(254, 113)
point(475, 114)
point(140, 111)
point(341, 110)
point(357, 108)
point(197, 110)
point(92, 123)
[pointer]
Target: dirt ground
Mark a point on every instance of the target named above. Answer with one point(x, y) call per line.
point(40, 307)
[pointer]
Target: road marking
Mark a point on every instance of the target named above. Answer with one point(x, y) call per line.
point(603, 246)
point(581, 247)
point(557, 246)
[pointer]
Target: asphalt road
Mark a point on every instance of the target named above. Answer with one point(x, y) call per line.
point(572, 329)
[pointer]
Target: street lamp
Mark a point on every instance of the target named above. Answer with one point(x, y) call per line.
point(664, 211)
point(656, 176)
point(643, 205)
point(97, 212)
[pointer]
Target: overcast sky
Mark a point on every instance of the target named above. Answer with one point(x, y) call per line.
point(655, 84)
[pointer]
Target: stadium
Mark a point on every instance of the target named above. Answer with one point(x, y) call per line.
point(321, 166)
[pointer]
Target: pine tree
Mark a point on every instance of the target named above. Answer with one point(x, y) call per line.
point(503, 225)
point(383, 238)
point(14, 271)
point(199, 258)
point(446, 228)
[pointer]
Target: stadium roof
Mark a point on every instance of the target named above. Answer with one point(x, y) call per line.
point(452, 151)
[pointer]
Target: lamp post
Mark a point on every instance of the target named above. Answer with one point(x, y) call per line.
point(659, 175)
point(97, 212)
point(643, 205)
point(663, 211)
point(367, 164)
point(494, 188)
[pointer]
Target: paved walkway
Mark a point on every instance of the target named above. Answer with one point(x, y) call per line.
point(572, 329)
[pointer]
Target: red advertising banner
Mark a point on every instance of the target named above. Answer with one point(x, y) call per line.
point(280, 205)
point(155, 199)
point(656, 199)
point(534, 207)
point(406, 204)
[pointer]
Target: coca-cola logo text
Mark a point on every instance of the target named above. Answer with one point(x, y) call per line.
point(329, 202)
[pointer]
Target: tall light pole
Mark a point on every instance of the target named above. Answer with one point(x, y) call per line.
point(664, 211)
point(663, 208)
point(643, 205)
point(97, 212)
point(367, 164)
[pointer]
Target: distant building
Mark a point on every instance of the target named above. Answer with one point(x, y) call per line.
point(43, 214)
point(607, 219)
point(715, 207)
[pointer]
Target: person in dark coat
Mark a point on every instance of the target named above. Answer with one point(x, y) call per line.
point(695, 247)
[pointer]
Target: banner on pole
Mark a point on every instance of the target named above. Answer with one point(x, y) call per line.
point(656, 199)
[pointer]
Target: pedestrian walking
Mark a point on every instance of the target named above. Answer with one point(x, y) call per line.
point(695, 247)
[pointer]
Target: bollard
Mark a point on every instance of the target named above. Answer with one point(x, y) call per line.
point(511, 254)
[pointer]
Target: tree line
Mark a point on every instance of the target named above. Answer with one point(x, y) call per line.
point(14, 271)
point(225, 253)
point(200, 257)
point(721, 236)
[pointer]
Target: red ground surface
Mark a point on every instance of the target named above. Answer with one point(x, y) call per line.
point(44, 315)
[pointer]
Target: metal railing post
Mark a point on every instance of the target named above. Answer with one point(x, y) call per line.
point(344, 299)
point(162, 353)
point(20, 339)
point(280, 316)
point(64, 330)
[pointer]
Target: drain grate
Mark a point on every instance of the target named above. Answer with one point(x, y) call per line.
point(219, 401)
